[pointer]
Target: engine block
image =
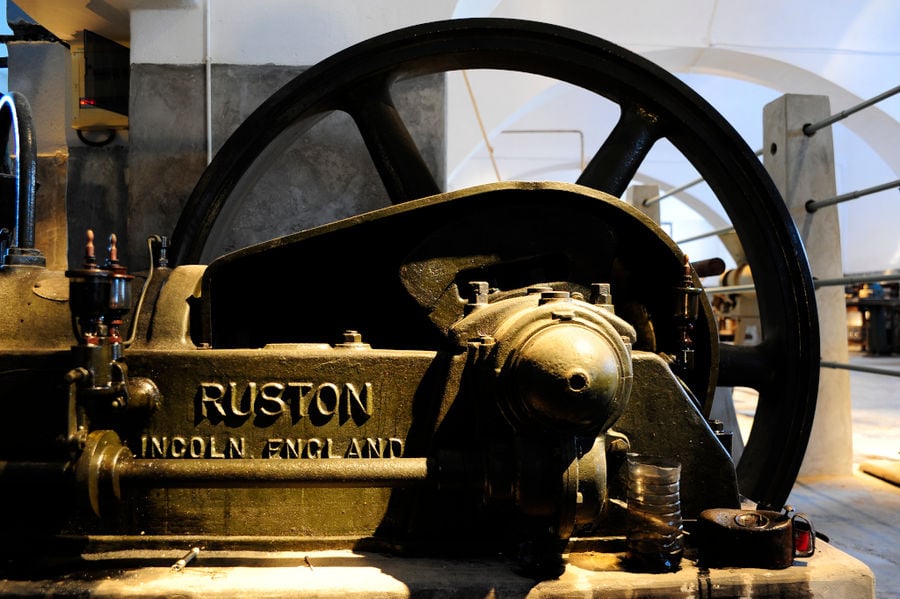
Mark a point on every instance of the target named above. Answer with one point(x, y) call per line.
point(463, 385)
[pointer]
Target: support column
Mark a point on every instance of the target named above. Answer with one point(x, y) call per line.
point(803, 169)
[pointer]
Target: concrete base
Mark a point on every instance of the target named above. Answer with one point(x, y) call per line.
point(829, 573)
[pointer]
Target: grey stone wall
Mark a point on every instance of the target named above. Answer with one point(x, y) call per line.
point(137, 185)
point(51, 229)
point(321, 176)
point(166, 149)
point(96, 198)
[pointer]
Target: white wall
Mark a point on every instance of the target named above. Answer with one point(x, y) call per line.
point(284, 32)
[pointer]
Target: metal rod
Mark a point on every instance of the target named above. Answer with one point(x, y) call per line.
point(679, 189)
point(731, 289)
point(186, 559)
point(484, 135)
point(673, 191)
point(875, 278)
point(868, 369)
point(707, 234)
point(810, 128)
point(212, 473)
point(33, 472)
point(817, 283)
point(709, 267)
point(813, 205)
point(324, 472)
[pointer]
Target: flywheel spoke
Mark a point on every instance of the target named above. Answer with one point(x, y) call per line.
point(618, 159)
point(397, 158)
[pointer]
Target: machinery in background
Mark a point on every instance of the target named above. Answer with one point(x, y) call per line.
point(873, 318)
point(738, 313)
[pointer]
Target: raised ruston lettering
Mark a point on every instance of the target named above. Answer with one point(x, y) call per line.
point(233, 403)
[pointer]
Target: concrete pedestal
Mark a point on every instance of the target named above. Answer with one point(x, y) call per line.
point(320, 574)
point(802, 168)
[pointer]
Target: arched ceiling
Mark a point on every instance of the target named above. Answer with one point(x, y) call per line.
point(738, 55)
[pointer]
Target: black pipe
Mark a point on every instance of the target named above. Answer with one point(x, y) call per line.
point(21, 131)
point(27, 167)
point(212, 473)
point(209, 473)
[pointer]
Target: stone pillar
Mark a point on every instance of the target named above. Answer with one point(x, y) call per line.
point(803, 169)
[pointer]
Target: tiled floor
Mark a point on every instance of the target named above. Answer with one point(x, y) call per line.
point(860, 514)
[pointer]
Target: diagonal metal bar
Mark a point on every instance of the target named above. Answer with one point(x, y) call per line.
point(813, 205)
point(858, 368)
point(676, 190)
point(614, 165)
point(712, 233)
point(817, 283)
point(810, 128)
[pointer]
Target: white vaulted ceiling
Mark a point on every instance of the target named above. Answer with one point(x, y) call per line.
point(738, 55)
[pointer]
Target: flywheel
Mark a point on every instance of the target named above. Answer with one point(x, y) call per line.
point(654, 105)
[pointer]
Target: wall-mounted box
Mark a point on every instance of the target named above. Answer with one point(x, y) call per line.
point(101, 70)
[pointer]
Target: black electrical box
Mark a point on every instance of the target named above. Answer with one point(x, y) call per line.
point(107, 67)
